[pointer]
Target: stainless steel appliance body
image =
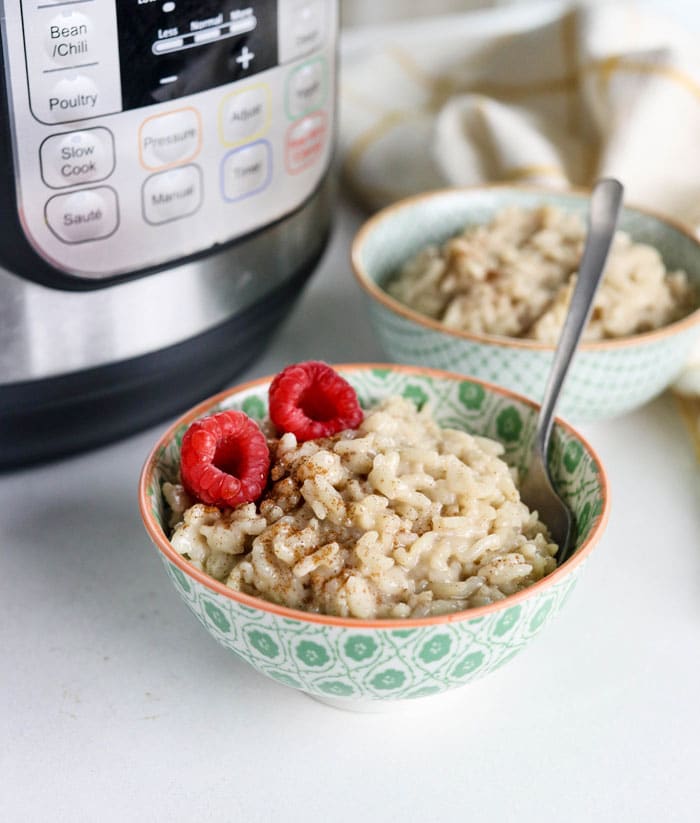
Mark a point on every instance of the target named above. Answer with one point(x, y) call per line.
point(164, 194)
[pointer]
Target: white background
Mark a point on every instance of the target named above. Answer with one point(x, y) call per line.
point(116, 705)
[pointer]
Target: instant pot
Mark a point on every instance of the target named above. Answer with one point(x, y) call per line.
point(164, 195)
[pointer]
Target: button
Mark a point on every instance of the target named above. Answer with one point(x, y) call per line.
point(171, 195)
point(302, 28)
point(69, 40)
point(167, 139)
point(91, 214)
point(305, 141)
point(77, 157)
point(244, 115)
point(245, 58)
point(246, 171)
point(306, 89)
point(73, 99)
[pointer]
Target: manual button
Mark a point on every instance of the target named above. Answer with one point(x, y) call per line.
point(90, 214)
point(77, 157)
point(171, 195)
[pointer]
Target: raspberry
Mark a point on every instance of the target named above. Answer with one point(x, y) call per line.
point(224, 459)
point(311, 400)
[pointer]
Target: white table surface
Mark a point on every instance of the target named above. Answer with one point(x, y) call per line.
point(116, 705)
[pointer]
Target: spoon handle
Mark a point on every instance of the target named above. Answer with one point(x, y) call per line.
point(605, 205)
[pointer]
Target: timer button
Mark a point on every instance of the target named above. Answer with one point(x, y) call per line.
point(170, 195)
point(68, 39)
point(244, 115)
point(91, 214)
point(169, 139)
point(77, 157)
point(246, 171)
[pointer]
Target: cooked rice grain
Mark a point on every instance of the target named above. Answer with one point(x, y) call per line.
point(399, 518)
point(515, 275)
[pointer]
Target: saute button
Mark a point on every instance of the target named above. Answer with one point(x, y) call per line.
point(170, 138)
point(91, 214)
point(171, 195)
point(77, 157)
point(246, 171)
point(244, 114)
point(306, 89)
point(69, 39)
point(73, 99)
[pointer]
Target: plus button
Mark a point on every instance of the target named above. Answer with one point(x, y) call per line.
point(245, 58)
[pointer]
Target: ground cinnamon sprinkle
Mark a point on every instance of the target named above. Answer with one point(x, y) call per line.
point(397, 518)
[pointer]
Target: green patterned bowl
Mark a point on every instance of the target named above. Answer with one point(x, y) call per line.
point(607, 379)
point(366, 665)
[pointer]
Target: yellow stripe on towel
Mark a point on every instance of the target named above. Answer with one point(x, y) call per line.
point(690, 411)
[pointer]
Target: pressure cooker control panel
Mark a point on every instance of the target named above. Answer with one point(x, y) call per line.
point(145, 131)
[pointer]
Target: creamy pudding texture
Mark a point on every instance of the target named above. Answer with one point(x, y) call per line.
point(514, 277)
point(397, 518)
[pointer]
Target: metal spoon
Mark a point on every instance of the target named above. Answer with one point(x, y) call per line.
point(537, 490)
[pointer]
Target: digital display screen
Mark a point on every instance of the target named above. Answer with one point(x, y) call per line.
point(172, 48)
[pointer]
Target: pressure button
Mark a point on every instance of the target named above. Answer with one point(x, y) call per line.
point(81, 216)
point(171, 138)
point(77, 157)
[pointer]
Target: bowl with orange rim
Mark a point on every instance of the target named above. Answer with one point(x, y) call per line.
point(372, 664)
point(608, 377)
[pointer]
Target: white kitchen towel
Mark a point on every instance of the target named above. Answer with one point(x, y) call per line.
point(583, 93)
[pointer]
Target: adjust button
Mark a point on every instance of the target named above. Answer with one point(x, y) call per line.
point(69, 39)
point(246, 171)
point(91, 214)
point(77, 157)
point(171, 195)
point(244, 115)
point(167, 139)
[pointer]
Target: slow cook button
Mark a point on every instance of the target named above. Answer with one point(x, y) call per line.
point(166, 139)
point(91, 214)
point(246, 171)
point(73, 99)
point(305, 141)
point(306, 89)
point(69, 39)
point(77, 157)
point(244, 115)
point(171, 195)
